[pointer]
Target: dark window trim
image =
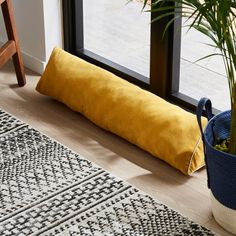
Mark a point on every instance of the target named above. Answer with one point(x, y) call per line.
point(164, 56)
point(68, 25)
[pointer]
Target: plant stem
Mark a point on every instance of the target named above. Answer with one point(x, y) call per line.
point(232, 145)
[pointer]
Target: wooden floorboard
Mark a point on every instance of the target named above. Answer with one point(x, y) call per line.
point(187, 195)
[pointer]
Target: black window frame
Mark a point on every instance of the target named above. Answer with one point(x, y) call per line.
point(164, 55)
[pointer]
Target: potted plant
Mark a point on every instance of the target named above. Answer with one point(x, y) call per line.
point(217, 20)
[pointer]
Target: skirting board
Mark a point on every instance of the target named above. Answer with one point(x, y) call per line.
point(31, 62)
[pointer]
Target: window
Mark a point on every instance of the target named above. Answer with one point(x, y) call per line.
point(118, 32)
point(202, 78)
point(115, 35)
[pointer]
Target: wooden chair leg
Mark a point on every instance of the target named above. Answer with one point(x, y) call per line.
point(10, 25)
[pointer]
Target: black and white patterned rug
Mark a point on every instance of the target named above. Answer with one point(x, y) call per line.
point(47, 189)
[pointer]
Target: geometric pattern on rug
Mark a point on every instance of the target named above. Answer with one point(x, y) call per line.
point(47, 189)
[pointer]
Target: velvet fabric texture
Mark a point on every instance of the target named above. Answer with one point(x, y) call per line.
point(144, 119)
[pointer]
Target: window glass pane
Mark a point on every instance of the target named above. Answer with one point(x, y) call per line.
point(118, 31)
point(204, 78)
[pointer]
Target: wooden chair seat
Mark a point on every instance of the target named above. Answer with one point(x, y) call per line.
point(11, 49)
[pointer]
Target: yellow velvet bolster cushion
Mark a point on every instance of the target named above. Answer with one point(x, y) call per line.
point(162, 129)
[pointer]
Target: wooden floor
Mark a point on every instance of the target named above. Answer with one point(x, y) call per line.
point(187, 195)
